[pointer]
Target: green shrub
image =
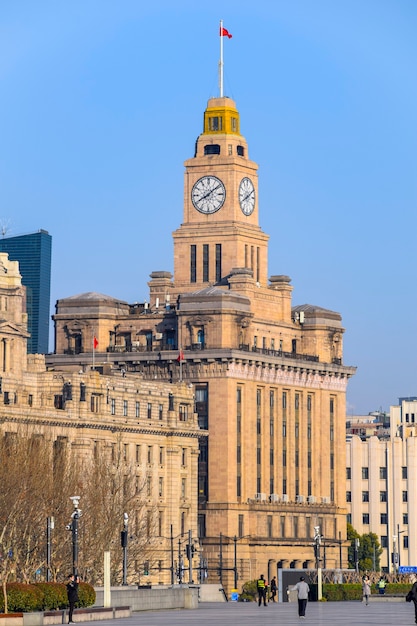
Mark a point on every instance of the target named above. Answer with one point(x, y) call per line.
point(249, 591)
point(86, 595)
point(338, 592)
point(54, 595)
point(22, 598)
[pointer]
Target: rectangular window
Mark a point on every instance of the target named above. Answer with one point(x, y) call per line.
point(405, 519)
point(205, 263)
point(404, 472)
point(383, 473)
point(405, 496)
point(218, 262)
point(161, 455)
point(161, 486)
point(125, 408)
point(348, 473)
point(405, 541)
point(297, 401)
point(284, 399)
point(149, 411)
point(184, 457)
point(183, 412)
point(384, 541)
point(161, 412)
point(137, 409)
point(138, 454)
point(365, 496)
point(30, 399)
point(125, 452)
point(193, 264)
point(150, 449)
point(95, 403)
point(365, 473)
point(269, 526)
point(216, 123)
point(183, 487)
point(149, 486)
point(284, 458)
point(241, 528)
point(383, 496)
point(384, 518)
point(365, 518)
point(348, 496)
point(113, 406)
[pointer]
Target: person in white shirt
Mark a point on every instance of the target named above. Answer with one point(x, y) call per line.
point(302, 593)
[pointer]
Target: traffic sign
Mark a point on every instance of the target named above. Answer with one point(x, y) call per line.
point(407, 569)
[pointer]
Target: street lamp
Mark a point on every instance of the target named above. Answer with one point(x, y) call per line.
point(76, 514)
point(49, 529)
point(124, 540)
point(317, 542)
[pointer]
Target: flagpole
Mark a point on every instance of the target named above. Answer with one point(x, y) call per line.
point(221, 60)
point(94, 334)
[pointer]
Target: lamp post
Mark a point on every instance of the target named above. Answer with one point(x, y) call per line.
point(124, 541)
point(76, 514)
point(49, 529)
point(399, 532)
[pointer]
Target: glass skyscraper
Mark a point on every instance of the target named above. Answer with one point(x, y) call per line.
point(33, 251)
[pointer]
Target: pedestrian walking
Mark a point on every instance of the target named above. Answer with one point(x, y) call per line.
point(273, 588)
point(72, 593)
point(412, 597)
point(366, 589)
point(261, 586)
point(302, 594)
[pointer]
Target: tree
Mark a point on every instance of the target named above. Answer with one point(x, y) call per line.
point(38, 476)
point(369, 550)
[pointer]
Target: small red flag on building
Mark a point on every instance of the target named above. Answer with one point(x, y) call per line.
point(225, 33)
point(95, 342)
point(180, 356)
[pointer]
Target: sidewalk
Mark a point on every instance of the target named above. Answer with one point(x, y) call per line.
point(249, 614)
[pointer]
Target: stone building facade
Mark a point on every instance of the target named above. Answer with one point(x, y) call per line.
point(269, 377)
point(150, 424)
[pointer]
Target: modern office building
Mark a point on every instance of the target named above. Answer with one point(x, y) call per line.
point(381, 492)
point(33, 251)
point(269, 377)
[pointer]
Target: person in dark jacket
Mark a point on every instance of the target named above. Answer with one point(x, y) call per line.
point(273, 588)
point(72, 593)
point(413, 598)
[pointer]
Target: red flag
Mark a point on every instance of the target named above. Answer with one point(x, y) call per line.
point(95, 342)
point(180, 356)
point(225, 33)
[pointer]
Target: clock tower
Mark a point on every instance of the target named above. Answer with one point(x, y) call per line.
point(220, 231)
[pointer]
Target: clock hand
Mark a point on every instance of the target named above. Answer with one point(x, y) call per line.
point(209, 193)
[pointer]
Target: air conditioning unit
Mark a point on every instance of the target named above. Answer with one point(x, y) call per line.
point(311, 499)
point(326, 500)
point(158, 335)
point(299, 499)
point(284, 497)
point(274, 497)
point(260, 497)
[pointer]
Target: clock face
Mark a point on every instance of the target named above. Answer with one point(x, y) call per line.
point(208, 194)
point(246, 196)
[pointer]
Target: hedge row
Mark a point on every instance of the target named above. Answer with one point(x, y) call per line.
point(338, 592)
point(22, 598)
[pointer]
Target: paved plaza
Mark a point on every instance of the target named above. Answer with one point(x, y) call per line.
point(248, 613)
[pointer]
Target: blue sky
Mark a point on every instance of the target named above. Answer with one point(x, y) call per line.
point(101, 103)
